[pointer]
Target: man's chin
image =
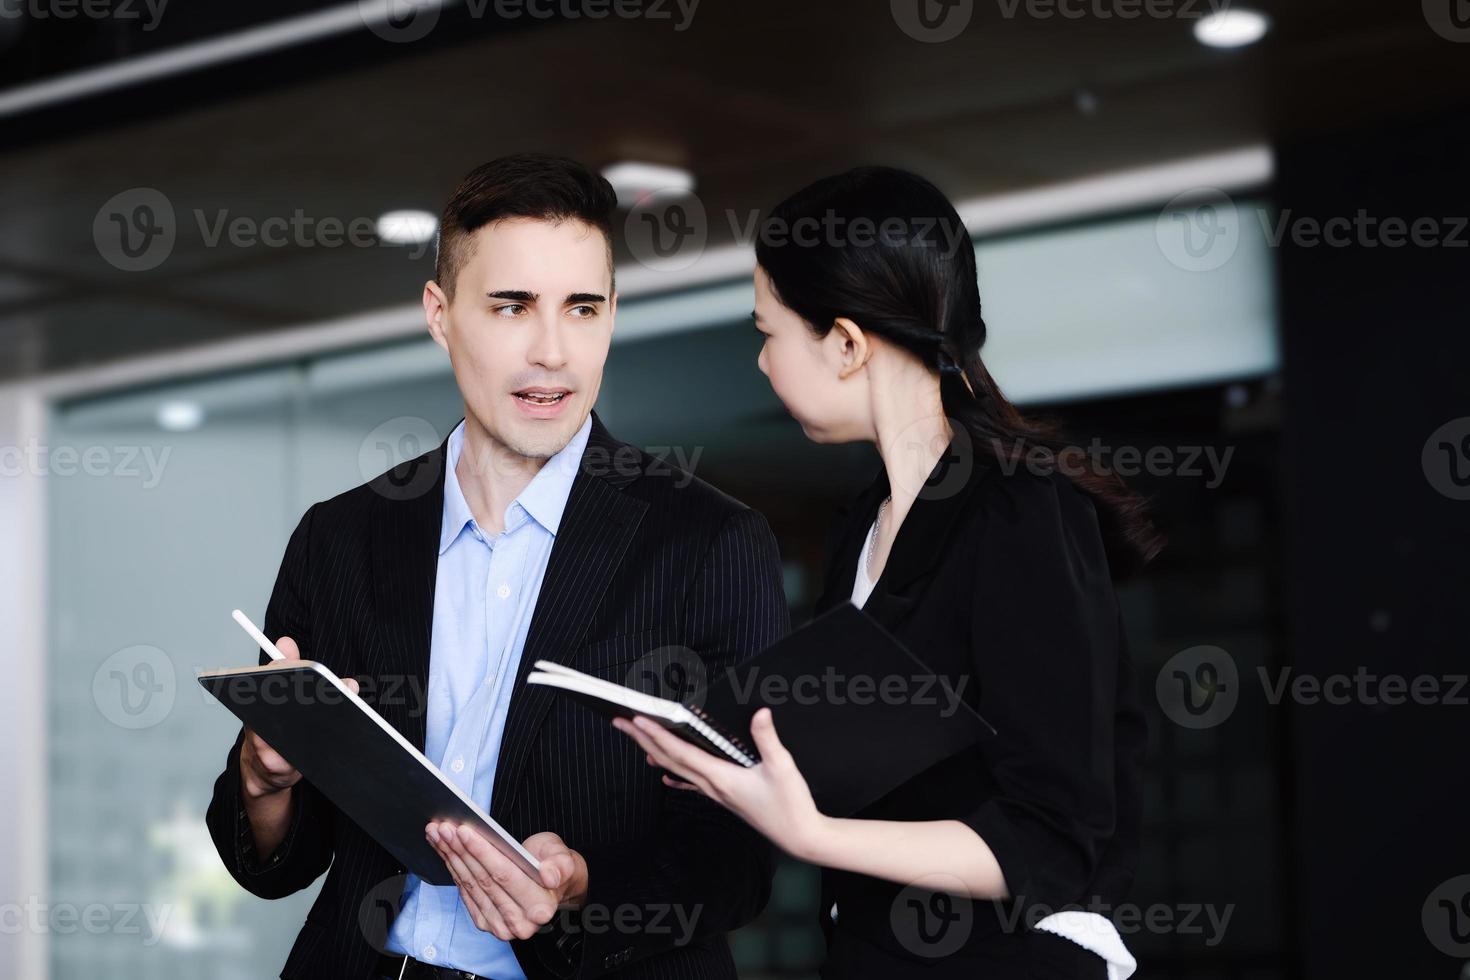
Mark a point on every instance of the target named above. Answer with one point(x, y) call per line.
point(540, 439)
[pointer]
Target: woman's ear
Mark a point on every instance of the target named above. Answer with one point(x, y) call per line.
point(854, 347)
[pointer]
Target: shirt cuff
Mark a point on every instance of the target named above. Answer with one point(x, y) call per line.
point(250, 861)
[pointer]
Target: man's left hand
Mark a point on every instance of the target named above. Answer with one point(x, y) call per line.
point(501, 898)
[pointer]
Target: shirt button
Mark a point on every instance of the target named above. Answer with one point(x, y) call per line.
point(503, 591)
point(430, 952)
point(457, 765)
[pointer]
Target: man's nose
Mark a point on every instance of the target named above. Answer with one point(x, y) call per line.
point(548, 350)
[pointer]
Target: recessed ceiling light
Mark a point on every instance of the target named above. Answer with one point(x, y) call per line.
point(1232, 28)
point(180, 416)
point(636, 181)
point(407, 227)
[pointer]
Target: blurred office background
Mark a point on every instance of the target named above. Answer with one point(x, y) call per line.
point(191, 354)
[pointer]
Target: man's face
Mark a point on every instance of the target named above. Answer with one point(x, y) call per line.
point(528, 330)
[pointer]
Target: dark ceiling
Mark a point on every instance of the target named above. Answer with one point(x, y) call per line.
point(754, 97)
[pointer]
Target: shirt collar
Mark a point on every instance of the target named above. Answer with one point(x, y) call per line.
point(544, 498)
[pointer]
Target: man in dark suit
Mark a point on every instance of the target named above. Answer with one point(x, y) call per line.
point(530, 533)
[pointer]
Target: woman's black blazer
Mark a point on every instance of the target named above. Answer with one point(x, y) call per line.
point(1000, 576)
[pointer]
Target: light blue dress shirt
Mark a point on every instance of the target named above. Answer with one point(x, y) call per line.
point(483, 599)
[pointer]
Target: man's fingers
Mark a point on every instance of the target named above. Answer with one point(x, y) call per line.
point(288, 648)
point(479, 905)
point(351, 684)
point(524, 891)
point(497, 878)
point(487, 916)
point(268, 757)
point(264, 770)
point(557, 868)
point(545, 844)
point(557, 864)
point(270, 760)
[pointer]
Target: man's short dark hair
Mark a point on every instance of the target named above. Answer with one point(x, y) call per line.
point(524, 185)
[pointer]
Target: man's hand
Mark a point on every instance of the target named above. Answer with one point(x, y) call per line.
point(265, 777)
point(262, 769)
point(501, 898)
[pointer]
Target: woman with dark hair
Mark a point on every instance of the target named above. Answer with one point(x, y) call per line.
point(988, 546)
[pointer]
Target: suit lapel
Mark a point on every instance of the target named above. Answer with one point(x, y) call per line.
point(597, 526)
point(408, 508)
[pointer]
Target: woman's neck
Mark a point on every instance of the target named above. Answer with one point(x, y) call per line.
point(912, 432)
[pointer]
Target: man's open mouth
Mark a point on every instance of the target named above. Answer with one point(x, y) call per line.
point(542, 396)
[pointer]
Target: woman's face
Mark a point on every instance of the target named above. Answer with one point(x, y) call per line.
point(806, 371)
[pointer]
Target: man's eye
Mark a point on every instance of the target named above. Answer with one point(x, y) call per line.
point(511, 309)
point(584, 311)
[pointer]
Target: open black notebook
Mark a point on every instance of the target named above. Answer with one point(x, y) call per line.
point(859, 713)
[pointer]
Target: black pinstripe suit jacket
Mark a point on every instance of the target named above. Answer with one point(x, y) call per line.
point(648, 563)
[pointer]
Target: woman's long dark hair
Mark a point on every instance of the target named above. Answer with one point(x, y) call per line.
point(886, 249)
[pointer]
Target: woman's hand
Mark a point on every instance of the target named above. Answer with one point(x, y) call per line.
point(772, 796)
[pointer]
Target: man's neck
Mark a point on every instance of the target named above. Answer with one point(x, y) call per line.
point(491, 475)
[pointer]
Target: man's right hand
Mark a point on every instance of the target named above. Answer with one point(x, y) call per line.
point(265, 777)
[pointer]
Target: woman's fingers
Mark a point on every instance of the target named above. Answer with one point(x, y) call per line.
point(767, 742)
point(691, 764)
point(660, 752)
point(656, 748)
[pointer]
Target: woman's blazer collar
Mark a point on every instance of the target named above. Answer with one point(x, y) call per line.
point(922, 539)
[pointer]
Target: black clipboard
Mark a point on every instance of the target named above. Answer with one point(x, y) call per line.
point(357, 760)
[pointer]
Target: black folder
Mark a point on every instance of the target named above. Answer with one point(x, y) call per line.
point(860, 713)
point(360, 762)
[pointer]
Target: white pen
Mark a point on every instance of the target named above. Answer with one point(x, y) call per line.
point(257, 635)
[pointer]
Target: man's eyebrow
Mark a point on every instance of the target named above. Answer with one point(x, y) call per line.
point(518, 295)
point(586, 298)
